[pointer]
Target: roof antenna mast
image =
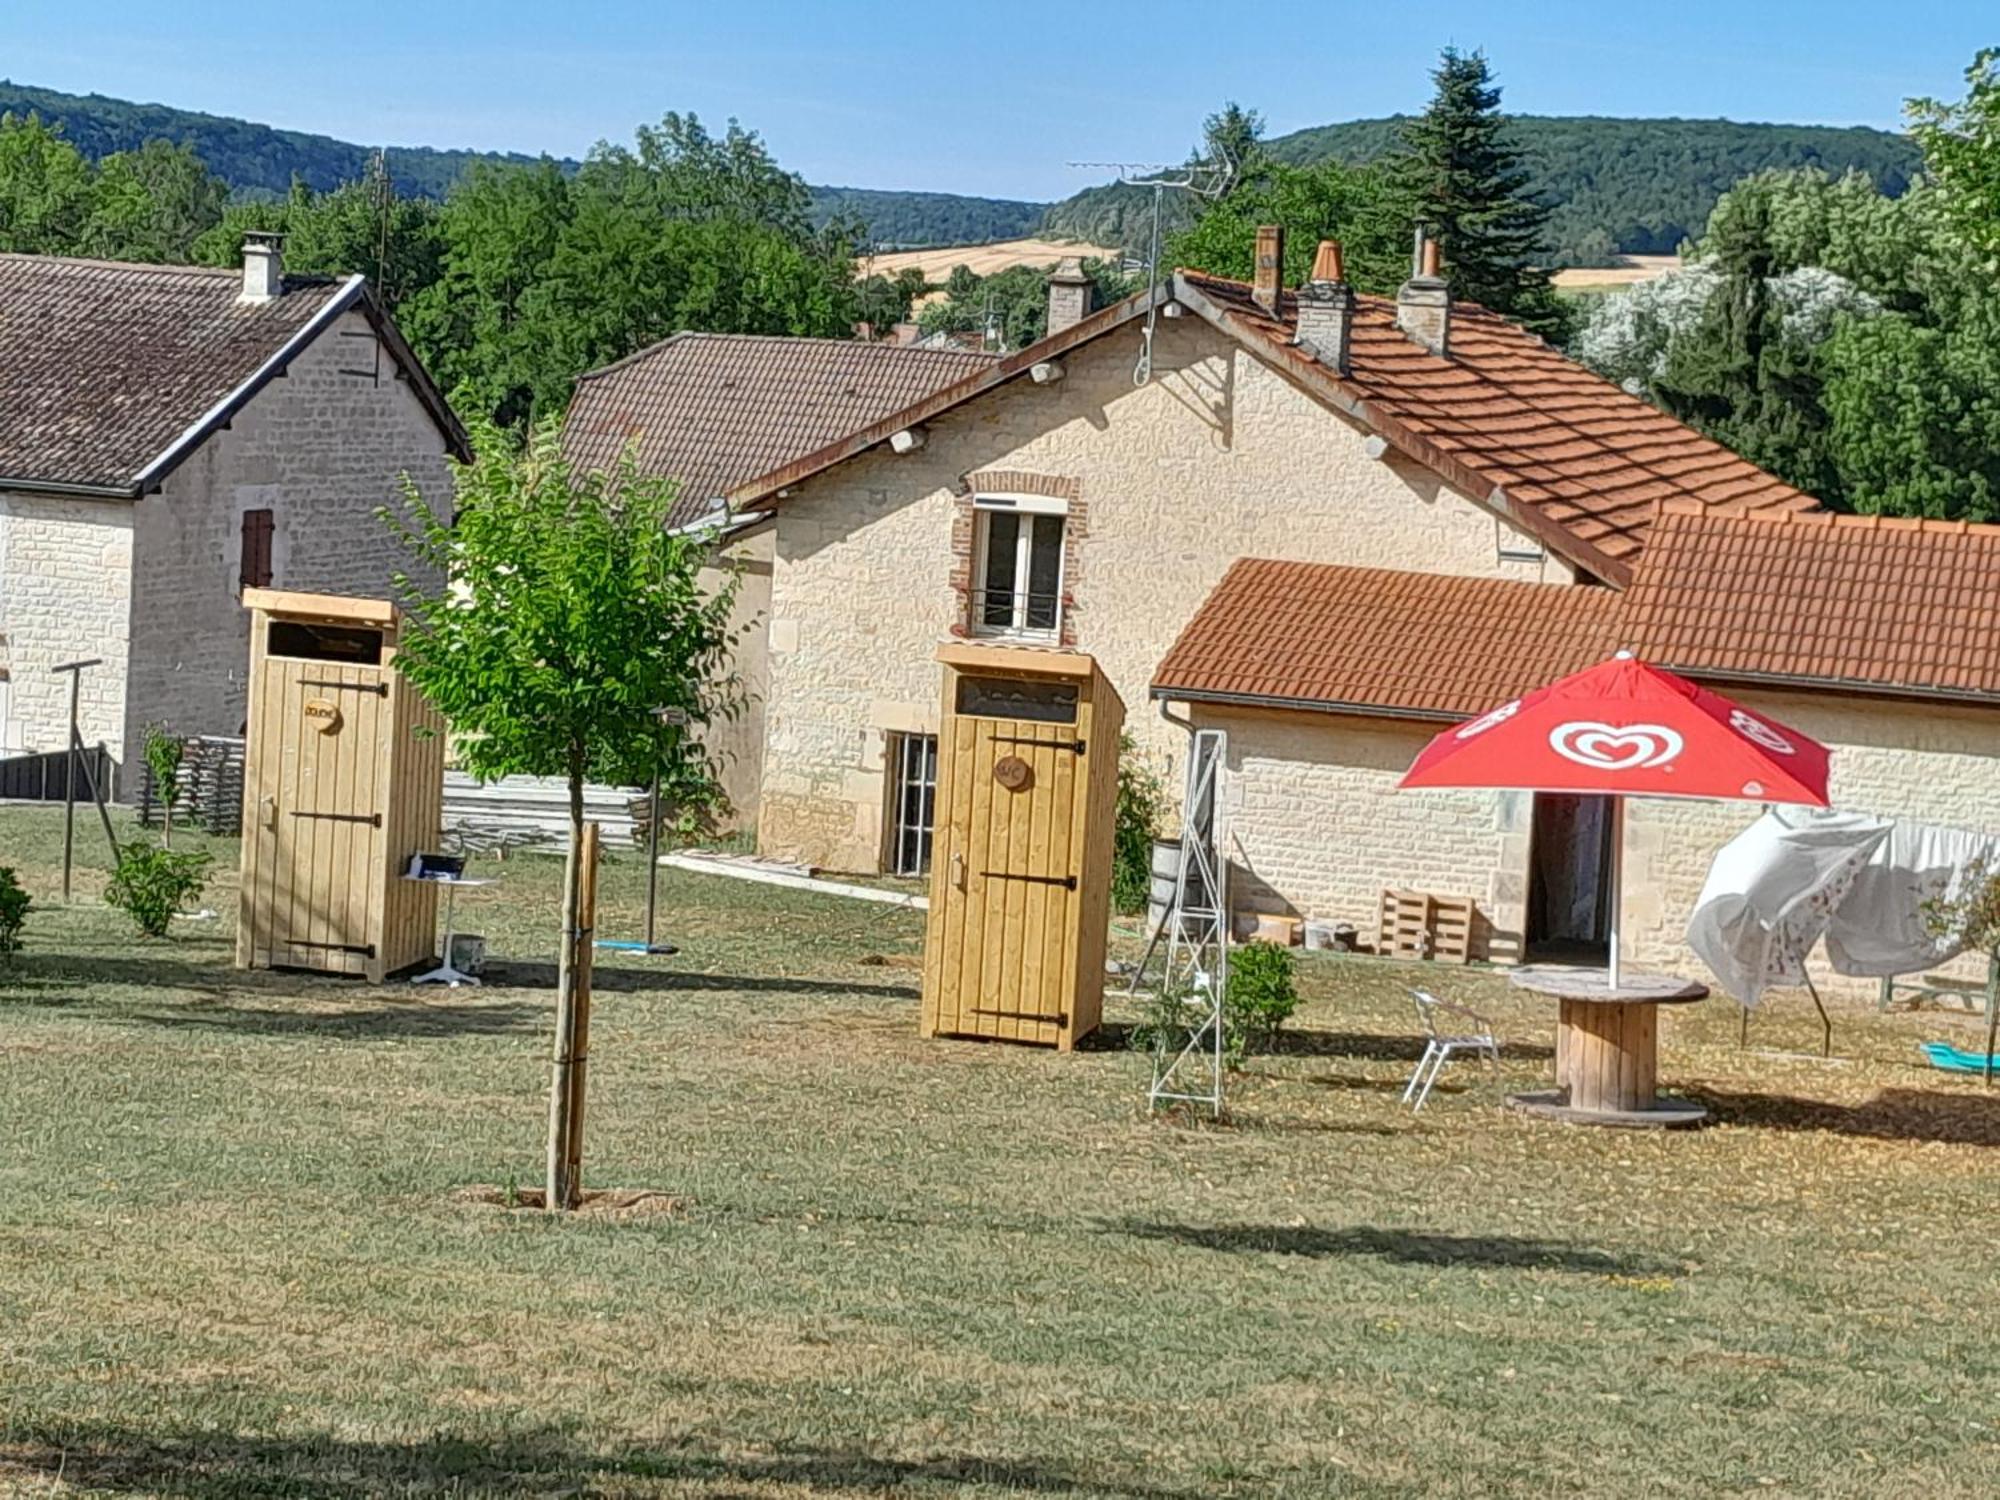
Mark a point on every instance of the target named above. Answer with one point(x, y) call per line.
point(1207, 180)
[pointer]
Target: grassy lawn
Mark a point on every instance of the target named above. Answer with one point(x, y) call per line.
point(237, 1258)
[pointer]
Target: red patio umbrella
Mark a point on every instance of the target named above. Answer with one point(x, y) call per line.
point(1625, 729)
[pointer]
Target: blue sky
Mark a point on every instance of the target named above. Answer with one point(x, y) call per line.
point(991, 99)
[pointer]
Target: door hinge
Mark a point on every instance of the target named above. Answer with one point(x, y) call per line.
point(1067, 882)
point(1074, 746)
point(379, 689)
point(373, 820)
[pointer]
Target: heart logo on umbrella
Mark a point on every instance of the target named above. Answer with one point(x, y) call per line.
point(1759, 733)
point(1611, 747)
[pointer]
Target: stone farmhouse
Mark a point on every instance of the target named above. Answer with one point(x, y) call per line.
point(168, 436)
point(712, 411)
point(1333, 524)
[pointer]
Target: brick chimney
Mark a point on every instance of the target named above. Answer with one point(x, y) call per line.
point(1070, 295)
point(1326, 309)
point(1423, 304)
point(263, 266)
point(1268, 278)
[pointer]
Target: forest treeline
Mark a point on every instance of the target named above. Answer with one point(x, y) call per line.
point(1612, 185)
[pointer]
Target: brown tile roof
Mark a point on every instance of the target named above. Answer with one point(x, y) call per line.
point(103, 366)
point(1429, 644)
point(1508, 411)
point(1857, 601)
point(715, 410)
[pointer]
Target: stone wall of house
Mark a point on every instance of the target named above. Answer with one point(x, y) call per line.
point(65, 595)
point(1312, 825)
point(321, 448)
point(1216, 458)
point(738, 743)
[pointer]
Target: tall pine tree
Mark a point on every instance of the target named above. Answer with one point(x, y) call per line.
point(1469, 186)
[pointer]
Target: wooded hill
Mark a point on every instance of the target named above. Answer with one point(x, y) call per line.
point(260, 161)
point(1635, 186)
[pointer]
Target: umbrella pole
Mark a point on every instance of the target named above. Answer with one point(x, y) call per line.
point(1617, 878)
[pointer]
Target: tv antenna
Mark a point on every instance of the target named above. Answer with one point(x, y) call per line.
point(1208, 180)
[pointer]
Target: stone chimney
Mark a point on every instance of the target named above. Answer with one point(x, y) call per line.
point(1070, 294)
point(1267, 280)
point(1423, 305)
point(263, 266)
point(1326, 309)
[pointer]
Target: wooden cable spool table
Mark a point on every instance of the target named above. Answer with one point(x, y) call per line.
point(1607, 1047)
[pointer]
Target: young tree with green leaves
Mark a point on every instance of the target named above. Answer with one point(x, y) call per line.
point(563, 629)
point(1469, 185)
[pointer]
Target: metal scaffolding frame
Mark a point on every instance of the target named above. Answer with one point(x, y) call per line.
point(1197, 929)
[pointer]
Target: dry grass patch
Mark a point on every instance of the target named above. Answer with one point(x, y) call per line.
point(242, 1259)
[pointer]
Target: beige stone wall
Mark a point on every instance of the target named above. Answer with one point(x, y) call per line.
point(1217, 458)
point(738, 743)
point(321, 448)
point(65, 595)
point(1313, 826)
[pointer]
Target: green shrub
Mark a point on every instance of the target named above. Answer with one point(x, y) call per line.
point(14, 904)
point(163, 754)
point(1260, 996)
point(152, 884)
point(1141, 802)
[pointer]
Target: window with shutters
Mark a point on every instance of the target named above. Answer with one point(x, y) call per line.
point(256, 551)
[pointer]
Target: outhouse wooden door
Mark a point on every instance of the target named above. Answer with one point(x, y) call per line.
point(1014, 861)
point(314, 809)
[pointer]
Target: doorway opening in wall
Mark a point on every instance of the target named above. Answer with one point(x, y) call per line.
point(912, 802)
point(1569, 885)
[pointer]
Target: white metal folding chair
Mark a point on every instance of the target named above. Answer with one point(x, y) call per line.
point(1439, 1045)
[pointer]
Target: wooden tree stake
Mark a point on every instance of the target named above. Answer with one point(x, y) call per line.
point(572, 1046)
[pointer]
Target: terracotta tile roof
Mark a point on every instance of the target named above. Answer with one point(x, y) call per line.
point(1564, 445)
point(714, 410)
point(1859, 601)
point(104, 366)
point(1429, 644)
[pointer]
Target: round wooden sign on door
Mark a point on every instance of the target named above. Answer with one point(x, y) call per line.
point(1013, 773)
point(323, 714)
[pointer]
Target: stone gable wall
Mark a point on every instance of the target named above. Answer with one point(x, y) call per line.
point(321, 448)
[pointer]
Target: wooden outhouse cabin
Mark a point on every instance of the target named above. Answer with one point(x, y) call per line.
point(1021, 853)
point(343, 784)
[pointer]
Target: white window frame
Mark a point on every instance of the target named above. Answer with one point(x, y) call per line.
point(984, 507)
point(903, 748)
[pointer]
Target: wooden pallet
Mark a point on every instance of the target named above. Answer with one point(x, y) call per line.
point(1451, 929)
point(1404, 928)
point(1416, 924)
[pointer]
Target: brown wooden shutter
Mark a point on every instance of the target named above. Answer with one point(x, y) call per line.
point(256, 549)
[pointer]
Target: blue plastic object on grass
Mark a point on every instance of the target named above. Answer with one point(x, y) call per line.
point(1953, 1059)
